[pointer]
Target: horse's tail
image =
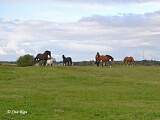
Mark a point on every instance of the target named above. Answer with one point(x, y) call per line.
point(112, 59)
point(71, 61)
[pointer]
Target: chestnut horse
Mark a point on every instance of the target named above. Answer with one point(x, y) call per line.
point(43, 56)
point(129, 60)
point(104, 59)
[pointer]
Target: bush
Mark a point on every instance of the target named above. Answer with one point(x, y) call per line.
point(41, 63)
point(26, 60)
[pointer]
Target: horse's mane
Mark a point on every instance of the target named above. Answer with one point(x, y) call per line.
point(109, 56)
point(47, 51)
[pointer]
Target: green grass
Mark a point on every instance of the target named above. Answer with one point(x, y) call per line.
point(80, 93)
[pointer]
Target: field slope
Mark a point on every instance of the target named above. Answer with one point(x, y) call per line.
point(79, 93)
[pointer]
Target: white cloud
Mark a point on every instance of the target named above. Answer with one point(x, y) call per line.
point(2, 52)
point(119, 36)
point(85, 47)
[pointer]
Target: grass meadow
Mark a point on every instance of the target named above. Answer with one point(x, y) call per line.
point(79, 93)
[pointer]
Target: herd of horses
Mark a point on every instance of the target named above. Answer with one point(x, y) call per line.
point(44, 57)
point(103, 59)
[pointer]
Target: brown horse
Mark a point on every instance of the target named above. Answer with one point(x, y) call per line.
point(43, 56)
point(129, 60)
point(104, 59)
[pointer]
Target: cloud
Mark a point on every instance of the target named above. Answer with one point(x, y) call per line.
point(126, 20)
point(2, 52)
point(119, 36)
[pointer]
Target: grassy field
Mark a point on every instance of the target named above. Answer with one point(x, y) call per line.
point(79, 93)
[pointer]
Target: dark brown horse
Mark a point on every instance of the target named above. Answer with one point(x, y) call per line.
point(104, 59)
point(67, 60)
point(129, 60)
point(43, 56)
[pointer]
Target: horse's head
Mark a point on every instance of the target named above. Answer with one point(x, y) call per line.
point(48, 53)
point(124, 60)
point(132, 60)
point(97, 55)
point(63, 56)
point(54, 60)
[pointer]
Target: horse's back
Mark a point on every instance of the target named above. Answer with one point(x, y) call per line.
point(39, 55)
point(69, 58)
point(104, 58)
point(129, 59)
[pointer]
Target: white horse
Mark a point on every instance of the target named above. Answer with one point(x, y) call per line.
point(50, 62)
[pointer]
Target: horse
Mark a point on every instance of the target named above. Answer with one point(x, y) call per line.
point(50, 62)
point(67, 60)
point(129, 60)
point(43, 56)
point(104, 59)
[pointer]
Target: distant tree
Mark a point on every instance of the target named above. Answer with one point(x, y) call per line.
point(26, 60)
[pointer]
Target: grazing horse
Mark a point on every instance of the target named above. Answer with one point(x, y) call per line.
point(129, 60)
point(104, 59)
point(50, 62)
point(67, 60)
point(43, 56)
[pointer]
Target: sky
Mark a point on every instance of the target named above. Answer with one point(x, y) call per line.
point(80, 28)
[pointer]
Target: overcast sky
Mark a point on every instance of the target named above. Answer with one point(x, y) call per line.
point(80, 28)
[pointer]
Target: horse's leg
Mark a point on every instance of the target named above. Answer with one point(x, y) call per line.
point(132, 64)
point(45, 61)
point(37, 64)
point(105, 63)
point(35, 60)
point(38, 60)
point(97, 62)
point(110, 64)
